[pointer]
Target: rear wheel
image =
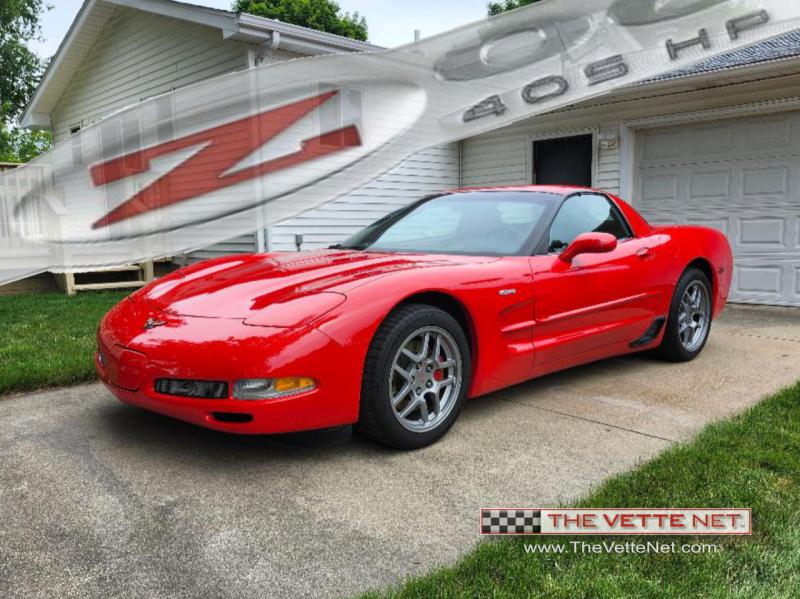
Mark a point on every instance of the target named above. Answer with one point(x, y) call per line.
point(416, 378)
point(689, 320)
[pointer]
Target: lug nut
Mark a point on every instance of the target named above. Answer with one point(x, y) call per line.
point(429, 384)
point(419, 390)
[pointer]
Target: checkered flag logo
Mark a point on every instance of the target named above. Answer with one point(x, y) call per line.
point(511, 522)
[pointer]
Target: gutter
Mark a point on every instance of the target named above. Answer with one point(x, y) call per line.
point(293, 38)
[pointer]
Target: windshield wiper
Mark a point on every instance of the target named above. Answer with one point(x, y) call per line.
point(339, 246)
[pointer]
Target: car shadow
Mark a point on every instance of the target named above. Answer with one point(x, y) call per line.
point(132, 426)
point(136, 427)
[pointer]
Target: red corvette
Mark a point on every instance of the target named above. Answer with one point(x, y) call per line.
point(452, 297)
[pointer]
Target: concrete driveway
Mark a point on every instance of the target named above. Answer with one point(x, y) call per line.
point(98, 499)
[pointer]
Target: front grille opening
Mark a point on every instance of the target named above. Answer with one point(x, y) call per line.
point(232, 418)
point(188, 388)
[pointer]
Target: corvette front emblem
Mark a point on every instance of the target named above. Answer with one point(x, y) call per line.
point(151, 324)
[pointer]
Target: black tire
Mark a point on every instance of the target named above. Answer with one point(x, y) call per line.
point(377, 420)
point(671, 348)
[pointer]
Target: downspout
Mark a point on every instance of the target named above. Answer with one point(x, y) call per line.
point(275, 40)
point(460, 163)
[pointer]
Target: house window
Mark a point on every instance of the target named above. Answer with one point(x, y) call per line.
point(563, 161)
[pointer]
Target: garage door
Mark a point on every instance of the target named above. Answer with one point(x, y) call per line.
point(740, 176)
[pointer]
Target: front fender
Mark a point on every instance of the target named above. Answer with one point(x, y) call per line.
point(499, 324)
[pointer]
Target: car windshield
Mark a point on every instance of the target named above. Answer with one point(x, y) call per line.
point(481, 223)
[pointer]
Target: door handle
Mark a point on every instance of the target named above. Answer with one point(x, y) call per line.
point(644, 252)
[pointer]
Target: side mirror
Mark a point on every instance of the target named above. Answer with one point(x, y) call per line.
point(589, 243)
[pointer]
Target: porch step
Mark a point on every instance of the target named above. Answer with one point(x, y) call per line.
point(127, 268)
point(112, 285)
point(107, 278)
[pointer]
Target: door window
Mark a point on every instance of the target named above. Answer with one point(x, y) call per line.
point(585, 213)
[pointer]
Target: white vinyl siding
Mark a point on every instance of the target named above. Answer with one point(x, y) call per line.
point(503, 157)
point(140, 55)
point(490, 160)
point(607, 176)
point(424, 173)
point(245, 244)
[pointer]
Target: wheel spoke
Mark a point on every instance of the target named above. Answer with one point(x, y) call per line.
point(410, 355)
point(437, 348)
point(426, 344)
point(412, 405)
point(402, 372)
point(423, 410)
point(447, 382)
point(437, 403)
point(401, 395)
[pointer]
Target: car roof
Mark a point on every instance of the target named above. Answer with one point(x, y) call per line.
point(555, 189)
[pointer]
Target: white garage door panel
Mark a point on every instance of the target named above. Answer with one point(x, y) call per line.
point(773, 280)
point(741, 177)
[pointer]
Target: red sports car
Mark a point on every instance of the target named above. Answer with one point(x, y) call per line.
point(452, 297)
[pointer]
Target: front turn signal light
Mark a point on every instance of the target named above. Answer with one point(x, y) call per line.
point(254, 389)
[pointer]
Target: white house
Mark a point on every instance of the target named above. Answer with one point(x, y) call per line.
point(717, 144)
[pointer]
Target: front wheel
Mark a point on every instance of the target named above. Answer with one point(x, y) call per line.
point(689, 319)
point(416, 377)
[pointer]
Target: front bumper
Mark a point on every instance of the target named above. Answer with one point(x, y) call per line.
point(131, 357)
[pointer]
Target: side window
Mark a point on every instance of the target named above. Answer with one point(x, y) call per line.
point(585, 214)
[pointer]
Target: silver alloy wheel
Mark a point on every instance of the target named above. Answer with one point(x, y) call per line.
point(425, 379)
point(694, 317)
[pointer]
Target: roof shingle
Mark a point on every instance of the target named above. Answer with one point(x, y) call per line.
point(778, 48)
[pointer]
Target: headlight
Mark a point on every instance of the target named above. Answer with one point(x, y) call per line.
point(272, 388)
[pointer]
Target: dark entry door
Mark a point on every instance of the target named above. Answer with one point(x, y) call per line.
point(563, 161)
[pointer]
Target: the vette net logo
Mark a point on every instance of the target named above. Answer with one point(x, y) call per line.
point(222, 148)
point(565, 521)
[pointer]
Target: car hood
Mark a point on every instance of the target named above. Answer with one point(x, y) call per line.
point(243, 287)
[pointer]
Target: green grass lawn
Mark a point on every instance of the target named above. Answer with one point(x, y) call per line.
point(750, 461)
point(48, 339)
